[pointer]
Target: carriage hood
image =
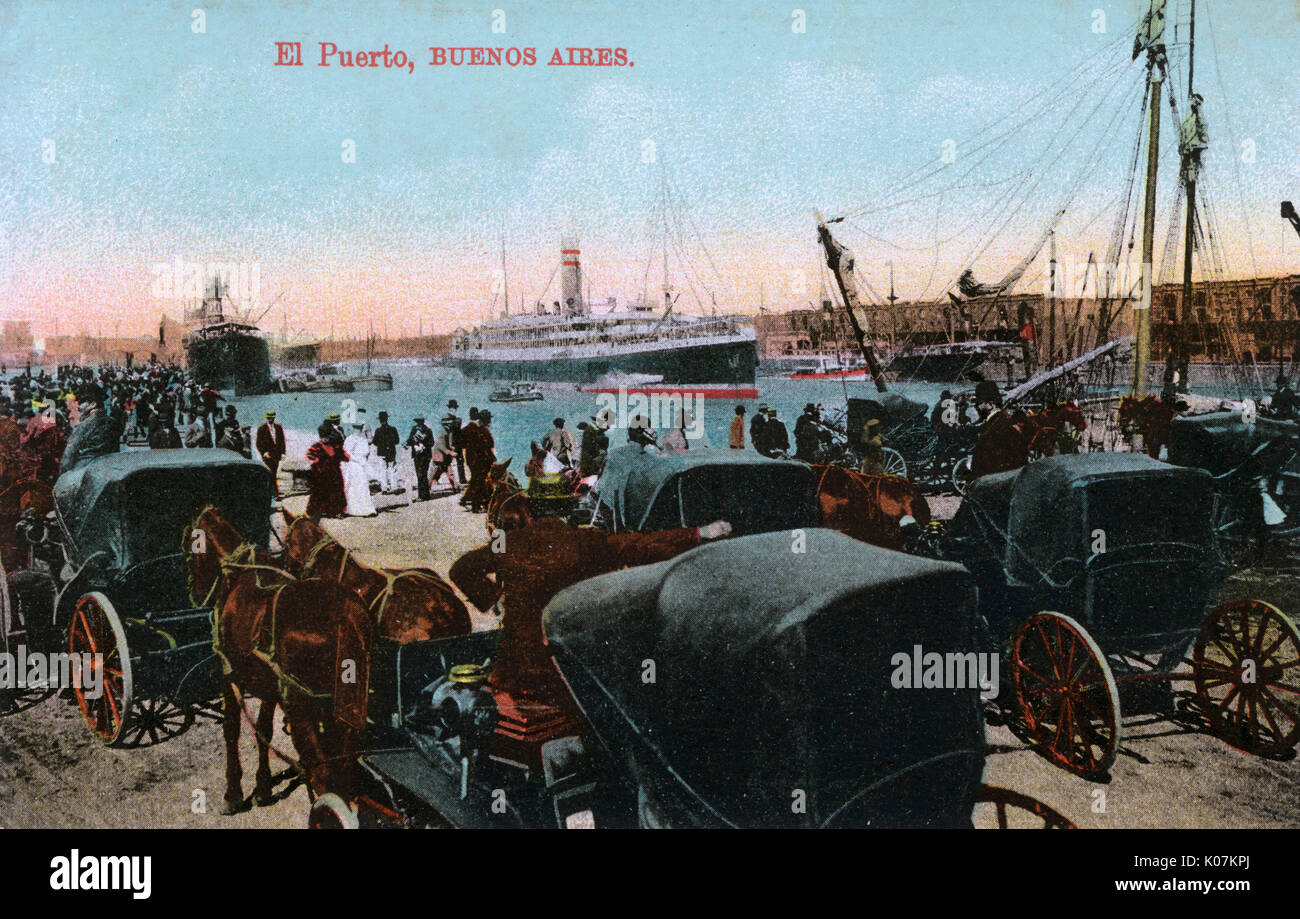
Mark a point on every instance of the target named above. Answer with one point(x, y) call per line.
point(1221, 441)
point(1060, 507)
point(135, 506)
point(657, 491)
point(891, 408)
point(772, 674)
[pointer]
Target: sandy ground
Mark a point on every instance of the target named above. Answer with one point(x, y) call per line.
point(54, 773)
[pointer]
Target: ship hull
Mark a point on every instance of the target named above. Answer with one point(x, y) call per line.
point(718, 365)
point(238, 362)
point(936, 368)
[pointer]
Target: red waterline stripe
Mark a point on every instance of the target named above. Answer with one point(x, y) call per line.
point(728, 392)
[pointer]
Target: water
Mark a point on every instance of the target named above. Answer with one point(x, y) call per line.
point(425, 389)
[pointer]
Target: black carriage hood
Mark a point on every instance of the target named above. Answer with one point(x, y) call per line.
point(744, 676)
point(1221, 441)
point(1060, 504)
point(653, 491)
point(134, 506)
point(889, 408)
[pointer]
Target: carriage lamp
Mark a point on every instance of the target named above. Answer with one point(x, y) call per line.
point(460, 712)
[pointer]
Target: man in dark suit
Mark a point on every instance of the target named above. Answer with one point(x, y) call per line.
point(454, 436)
point(385, 441)
point(420, 441)
point(270, 445)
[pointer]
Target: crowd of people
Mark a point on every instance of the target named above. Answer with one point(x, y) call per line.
point(55, 421)
point(344, 464)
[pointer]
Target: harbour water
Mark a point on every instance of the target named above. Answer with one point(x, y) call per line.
point(425, 389)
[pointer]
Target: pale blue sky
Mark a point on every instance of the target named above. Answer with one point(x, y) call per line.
point(174, 143)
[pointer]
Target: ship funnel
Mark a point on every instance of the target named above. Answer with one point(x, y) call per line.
point(570, 277)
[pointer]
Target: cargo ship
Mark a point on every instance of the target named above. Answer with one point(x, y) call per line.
point(226, 352)
point(954, 362)
point(572, 343)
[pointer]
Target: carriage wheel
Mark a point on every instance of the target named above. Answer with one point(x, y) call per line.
point(961, 475)
point(330, 812)
point(1066, 692)
point(893, 462)
point(1234, 537)
point(97, 630)
point(1246, 663)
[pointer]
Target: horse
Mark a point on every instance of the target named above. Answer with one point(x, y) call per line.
point(303, 645)
point(1010, 439)
point(41, 453)
point(882, 510)
point(1151, 416)
point(508, 507)
point(410, 604)
point(20, 497)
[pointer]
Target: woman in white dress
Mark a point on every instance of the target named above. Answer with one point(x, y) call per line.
point(356, 474)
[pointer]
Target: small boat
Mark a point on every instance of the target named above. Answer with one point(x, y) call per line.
point(372, 382)
point(517, 392)
point(306, 382)
point(829, 368)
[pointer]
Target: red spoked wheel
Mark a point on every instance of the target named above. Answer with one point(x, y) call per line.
point(1006, 801)
point(1067, 693)
point(97, 631)
point(330, 812)
point(1246, 663)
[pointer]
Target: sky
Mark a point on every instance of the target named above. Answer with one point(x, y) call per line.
point(134, 134)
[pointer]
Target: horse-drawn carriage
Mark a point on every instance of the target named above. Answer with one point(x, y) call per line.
point(913, 448)
point(1095, 571)
point(742, 683)
point(642, 491)
point(107, 584)
point(1256, 469)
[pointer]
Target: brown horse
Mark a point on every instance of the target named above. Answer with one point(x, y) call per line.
point(1012, 438)
point(411, 604)
point(877, 509)
point(15, 500)
point(41, 453)
point(301, 644)
point(507, 507)
point(1151, 416)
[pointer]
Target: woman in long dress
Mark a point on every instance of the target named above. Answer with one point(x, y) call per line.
point(356, 474)
point(326, 456)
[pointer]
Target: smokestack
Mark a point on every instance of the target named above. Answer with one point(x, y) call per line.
point(570, 277)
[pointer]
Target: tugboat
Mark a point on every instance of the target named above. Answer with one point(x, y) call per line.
point(225, 352)
point(830, 368)
point(517, 392)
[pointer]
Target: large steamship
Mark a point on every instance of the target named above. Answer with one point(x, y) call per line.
point(641, 347)
point(226, 351)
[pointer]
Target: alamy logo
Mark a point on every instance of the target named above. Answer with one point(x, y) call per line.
point(662, 410)
point(923, 669)
point(103, 872)
point(22, 669)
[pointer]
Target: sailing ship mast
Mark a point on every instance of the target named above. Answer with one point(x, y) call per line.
point(505, 283)
point(840, 261)
point(1191, 143)
point(1150, 37)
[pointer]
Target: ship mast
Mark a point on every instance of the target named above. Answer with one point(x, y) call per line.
point(840, 261)
point(1191, 143)
point(505, 283)
point(1152, 30)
